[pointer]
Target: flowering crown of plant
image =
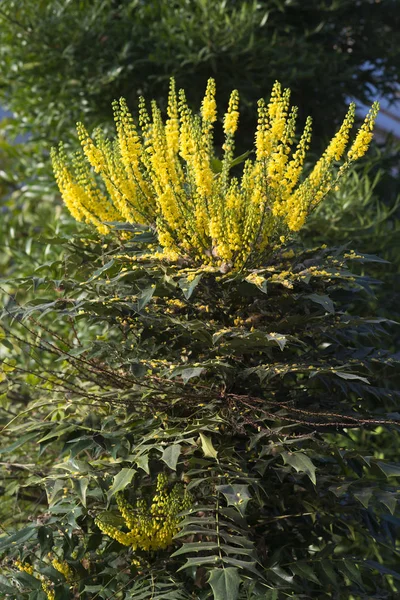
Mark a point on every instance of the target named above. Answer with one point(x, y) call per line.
point(165, 174)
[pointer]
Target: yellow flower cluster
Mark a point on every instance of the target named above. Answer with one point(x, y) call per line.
point(150, 528)
point(164, 173)
point(46, 584)
point(63, 567)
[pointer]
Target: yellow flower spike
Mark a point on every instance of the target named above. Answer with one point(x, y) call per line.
point(209, 105)
point(172, 124)
point(364, 135)
point(262, 139)
point(295, 165)
point(92, 153)
point(231, 118)
point(127, 135)
point(276, 97)
point(339, 142)
point(63, 567)
point(65, 184)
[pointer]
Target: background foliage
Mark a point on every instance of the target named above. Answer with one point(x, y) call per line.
point(76, 57)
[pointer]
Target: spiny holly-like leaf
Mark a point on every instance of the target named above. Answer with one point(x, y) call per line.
point(187, 372)
point(389, 469)
point(323, 300)
point(300, 462)
point(121, 481)
point(225, 583)
point(53, 487)
point(196, 547)
point(236, 495)
point(80, 487)
point(187, 286)
point(364, 496)
point(101, 270)
point(170, 456)
point(389, 500)
point(145, 297)
point(280, 339)
point(207, 446)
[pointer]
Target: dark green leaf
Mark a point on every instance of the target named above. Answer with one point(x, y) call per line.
point(121, 481)
point(236, 495)
point(187, 286)
point(323, 300)
point(225, 583)
point(301, 463)
point(80, 487)
point(170, 456)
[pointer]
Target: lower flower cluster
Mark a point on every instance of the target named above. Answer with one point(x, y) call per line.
point(60, 565)
point(150, 527)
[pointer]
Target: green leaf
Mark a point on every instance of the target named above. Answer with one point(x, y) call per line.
point(363, 496)
point(199, 561)
point(7, 344)
point(20, 442)
point(46, 541)
point(142, 462)
point(100, 271)
point(329, 572)
point(187, 373)
point(236, 495)
point(216, 165)
point(304, 570)
point(9, 365)
point(145, 297)
point(53, 487)
point(207, 446)
point(301, 463)
point(349, 376)
point(75, 466)
point(5, 588)
point(242, 564)
point(225, 583)
point(382, 569)
point(170, 456)
point(239, 159)
point(187, 286)
point(323, 300)
point(121, 481)
point(389, 469)
point(80, 487)
point(111, 518)
point(20, 537)
point(196, 547)
point(280, 339)
point(259, 281)
point(351, 570)
point(388, 500)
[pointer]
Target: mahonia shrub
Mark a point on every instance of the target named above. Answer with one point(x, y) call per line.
point(167, 176)
point(197, 425)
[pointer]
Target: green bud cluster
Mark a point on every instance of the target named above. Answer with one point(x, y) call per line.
point(150, 527)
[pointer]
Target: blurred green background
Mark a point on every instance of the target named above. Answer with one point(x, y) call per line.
point(63, 61)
